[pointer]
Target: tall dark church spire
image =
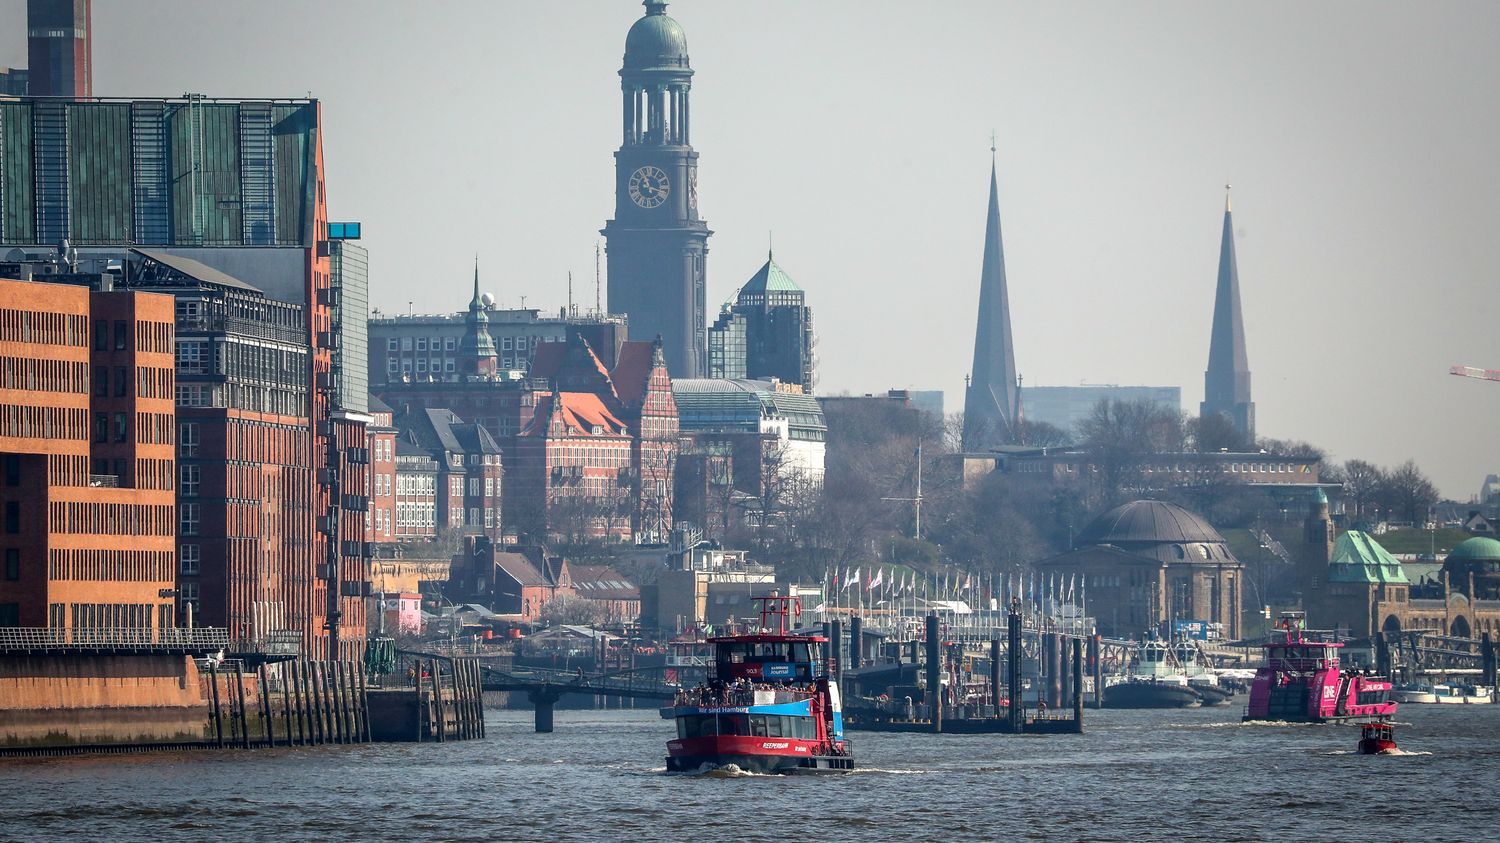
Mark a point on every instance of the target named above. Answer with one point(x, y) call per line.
point(657, 242)
point(1226, 383)
point(992, 400)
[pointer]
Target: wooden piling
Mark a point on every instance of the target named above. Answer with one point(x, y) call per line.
point(1078, 684)
point(315, 691)
point(437, 701)
point(346, 703)
point(265, 705)
point(286, 707)
point(341, 701)
point(239, 681)
point(213, 679)
point(304, 728)
point(364, 706)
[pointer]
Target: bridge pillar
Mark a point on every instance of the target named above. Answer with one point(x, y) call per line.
point(543, 699)
point(1487, 659)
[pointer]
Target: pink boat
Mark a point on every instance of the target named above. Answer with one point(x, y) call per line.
point(1302, 682)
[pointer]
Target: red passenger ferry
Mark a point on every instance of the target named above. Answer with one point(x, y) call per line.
point(768, 706)
point(1302, 682)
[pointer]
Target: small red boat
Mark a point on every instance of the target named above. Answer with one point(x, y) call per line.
point(1376, 737)
point(770, 706)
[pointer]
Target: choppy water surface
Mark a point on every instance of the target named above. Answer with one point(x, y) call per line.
point(1136, 775)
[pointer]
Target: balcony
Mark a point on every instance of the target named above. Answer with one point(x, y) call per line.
point(104, 481)
point(110, 640)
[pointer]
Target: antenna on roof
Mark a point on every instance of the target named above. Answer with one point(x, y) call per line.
point(770, 245)
point(572, 314)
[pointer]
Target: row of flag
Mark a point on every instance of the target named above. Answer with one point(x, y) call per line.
point(1028, 585)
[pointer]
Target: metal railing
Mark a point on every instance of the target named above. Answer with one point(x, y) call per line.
point(108, 481)
point(41, 639)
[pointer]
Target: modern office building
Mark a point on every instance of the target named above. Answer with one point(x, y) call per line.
point(726, 345)
point(778, 327)
point(86, 384)
point(236, 186)
point(1066, 406)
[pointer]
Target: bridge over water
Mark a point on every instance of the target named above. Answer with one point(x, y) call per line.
point(545, 686)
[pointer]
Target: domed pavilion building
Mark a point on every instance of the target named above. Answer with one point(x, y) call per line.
point(1148, 563)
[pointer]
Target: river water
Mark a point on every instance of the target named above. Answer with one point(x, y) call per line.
point(1135, 775)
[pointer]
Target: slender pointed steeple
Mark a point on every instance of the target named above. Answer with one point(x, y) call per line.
point(1226, 383)
point(992, 398)
point(476, 351)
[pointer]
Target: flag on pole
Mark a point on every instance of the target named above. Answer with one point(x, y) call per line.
point(853, 578)
point(876, 580)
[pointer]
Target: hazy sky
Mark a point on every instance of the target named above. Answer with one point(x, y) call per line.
point(1360, 138)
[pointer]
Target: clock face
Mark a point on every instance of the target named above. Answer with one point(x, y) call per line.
point(649, 187)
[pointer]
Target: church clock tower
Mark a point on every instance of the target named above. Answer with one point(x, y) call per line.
point(657, 242)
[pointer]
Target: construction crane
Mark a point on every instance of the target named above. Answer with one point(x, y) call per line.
point(1472, 372)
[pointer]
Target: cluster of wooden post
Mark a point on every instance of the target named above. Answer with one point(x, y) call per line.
point(451, 709)
point(319, 703)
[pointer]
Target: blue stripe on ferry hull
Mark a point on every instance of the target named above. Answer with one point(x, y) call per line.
point(793, 709)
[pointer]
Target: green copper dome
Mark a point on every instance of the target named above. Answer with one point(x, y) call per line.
point(770, 279)
point(656, 41)
point(1358, 558)
point(1479, 547)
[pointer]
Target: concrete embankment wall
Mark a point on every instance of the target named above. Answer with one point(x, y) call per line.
point(62, 700)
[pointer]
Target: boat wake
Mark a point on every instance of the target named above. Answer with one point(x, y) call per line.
point(1280, 724)
point(726, 771)
point(1396, 751)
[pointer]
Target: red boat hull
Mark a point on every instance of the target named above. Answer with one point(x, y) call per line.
point(1375, 746)
point(755, 755)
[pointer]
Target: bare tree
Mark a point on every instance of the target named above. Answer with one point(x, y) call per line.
point(1121, 435)
point(578, 611)
point(1362, 484)
point(1215, 432)
point(1408, 492)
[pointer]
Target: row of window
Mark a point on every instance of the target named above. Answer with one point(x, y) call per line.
point(154, 337)
point(151, 428)
point(451, 343)
point(253, 441)
point(750, 725)
point(110, 615)
point(110, 565)
point(44, 375)
point(28, 422)
point(43, 328)
point(109, 519)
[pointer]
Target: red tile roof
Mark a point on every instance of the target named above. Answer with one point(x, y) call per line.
point(633, 371)
point(581, 413)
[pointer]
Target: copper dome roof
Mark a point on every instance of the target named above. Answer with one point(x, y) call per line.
point(1140, 522)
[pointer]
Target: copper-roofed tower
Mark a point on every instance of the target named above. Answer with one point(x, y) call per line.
point(476, 351)
point(1226, 384)
point(992, 400)
point(657, 242)
point(778, 327)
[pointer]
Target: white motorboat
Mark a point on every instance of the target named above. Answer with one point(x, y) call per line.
point(1461, 694)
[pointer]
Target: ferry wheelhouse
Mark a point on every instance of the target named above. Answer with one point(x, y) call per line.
point(1302, 682)
point(768, 706)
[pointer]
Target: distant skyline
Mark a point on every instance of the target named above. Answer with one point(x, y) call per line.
point(1358, 138)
